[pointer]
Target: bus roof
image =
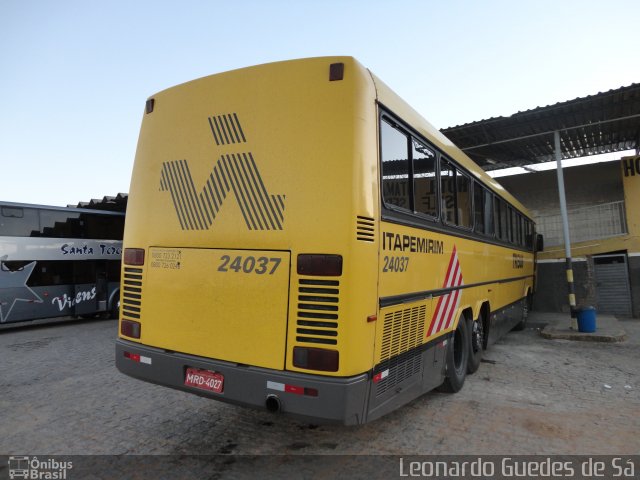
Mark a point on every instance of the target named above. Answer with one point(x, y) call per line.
point(387, 97)
point(59, 209)
point(398, 106)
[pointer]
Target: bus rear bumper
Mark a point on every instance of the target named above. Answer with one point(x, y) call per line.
point(307, 397)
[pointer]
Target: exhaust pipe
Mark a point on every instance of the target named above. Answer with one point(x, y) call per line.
point(273, 403)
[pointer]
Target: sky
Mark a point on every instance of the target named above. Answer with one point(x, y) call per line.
point(74, 75)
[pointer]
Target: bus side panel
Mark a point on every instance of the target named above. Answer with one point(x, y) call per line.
point(443, 275)
point(406, 365)
point(504, 319)
point(32, 303)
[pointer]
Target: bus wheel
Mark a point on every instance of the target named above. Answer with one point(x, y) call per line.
point(457, 358)
point(476, 342)
point(527, 301)
point(115, 310)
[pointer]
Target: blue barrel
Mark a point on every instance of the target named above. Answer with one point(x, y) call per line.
point(587, 320)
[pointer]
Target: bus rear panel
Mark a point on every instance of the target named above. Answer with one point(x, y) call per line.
point(260, 267)
point(248, 207)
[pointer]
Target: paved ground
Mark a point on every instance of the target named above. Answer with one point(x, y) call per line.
point(608, 329)
point(60, 394)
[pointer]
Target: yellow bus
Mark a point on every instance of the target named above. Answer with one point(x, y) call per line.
point(299, 239)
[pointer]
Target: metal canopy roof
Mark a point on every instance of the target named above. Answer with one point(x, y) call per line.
point(601, 123)
point(112, 204)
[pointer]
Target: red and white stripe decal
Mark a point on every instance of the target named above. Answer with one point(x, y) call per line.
point(444, 314)
point(282, 387)
point(137, 358)
point(380, 376)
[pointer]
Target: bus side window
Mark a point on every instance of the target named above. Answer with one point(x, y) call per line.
point(504, 221)
point(488, 213)
point(396, 189)
point(19, 222)
point(13, 212)
point(59, 224)
point(456, 195)
point(53, 272)
point(424, 179)
point(496, 218)
point(529, 234)
point(522, 231)
point(513, 237)
point(509, 221)
point(448, 191)
point(479, 211)
point(463, 194)
point(483, 210)
point(478, 208)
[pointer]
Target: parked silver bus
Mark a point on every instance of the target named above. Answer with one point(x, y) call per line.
point(57, 261)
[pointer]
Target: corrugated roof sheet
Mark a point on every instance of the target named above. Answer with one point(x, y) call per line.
point(112, 204)
point(601, 123)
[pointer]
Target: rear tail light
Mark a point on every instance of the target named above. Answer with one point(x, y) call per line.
point(320, 265)
point(310, 392)
point(134, 256)
point(129, 328)
point(316, 359)
point(132, 356)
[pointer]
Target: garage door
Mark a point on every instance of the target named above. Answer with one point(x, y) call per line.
point(612, 284)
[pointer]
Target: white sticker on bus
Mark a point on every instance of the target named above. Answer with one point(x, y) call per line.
point(275, 386)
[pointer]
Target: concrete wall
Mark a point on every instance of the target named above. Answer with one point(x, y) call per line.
point(585, 185)
point(551, 286)
point(551, 291)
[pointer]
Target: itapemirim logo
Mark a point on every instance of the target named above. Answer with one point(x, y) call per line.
point(235, 173)
point(32, 468)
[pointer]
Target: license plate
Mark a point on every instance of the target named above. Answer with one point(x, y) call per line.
point(204, 380)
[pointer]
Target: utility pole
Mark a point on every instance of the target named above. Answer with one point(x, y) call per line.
point(565, 229)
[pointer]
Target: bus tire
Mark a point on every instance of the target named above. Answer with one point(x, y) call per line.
point(457, 357)
point(476, 344)
point(115, 309)
point(527, 301)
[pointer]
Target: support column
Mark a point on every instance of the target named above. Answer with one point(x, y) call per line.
point(565, 230)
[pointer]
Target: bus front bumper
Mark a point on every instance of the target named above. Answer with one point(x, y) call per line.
point(307, 397)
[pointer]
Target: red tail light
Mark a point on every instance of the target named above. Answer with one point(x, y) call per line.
point(132, 356)
point(134, 256)
point(316, 359)
point(129, 328)
point(320, 265)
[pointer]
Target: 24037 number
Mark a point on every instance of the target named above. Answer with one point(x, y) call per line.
point(249, 264)
point(396, 264)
